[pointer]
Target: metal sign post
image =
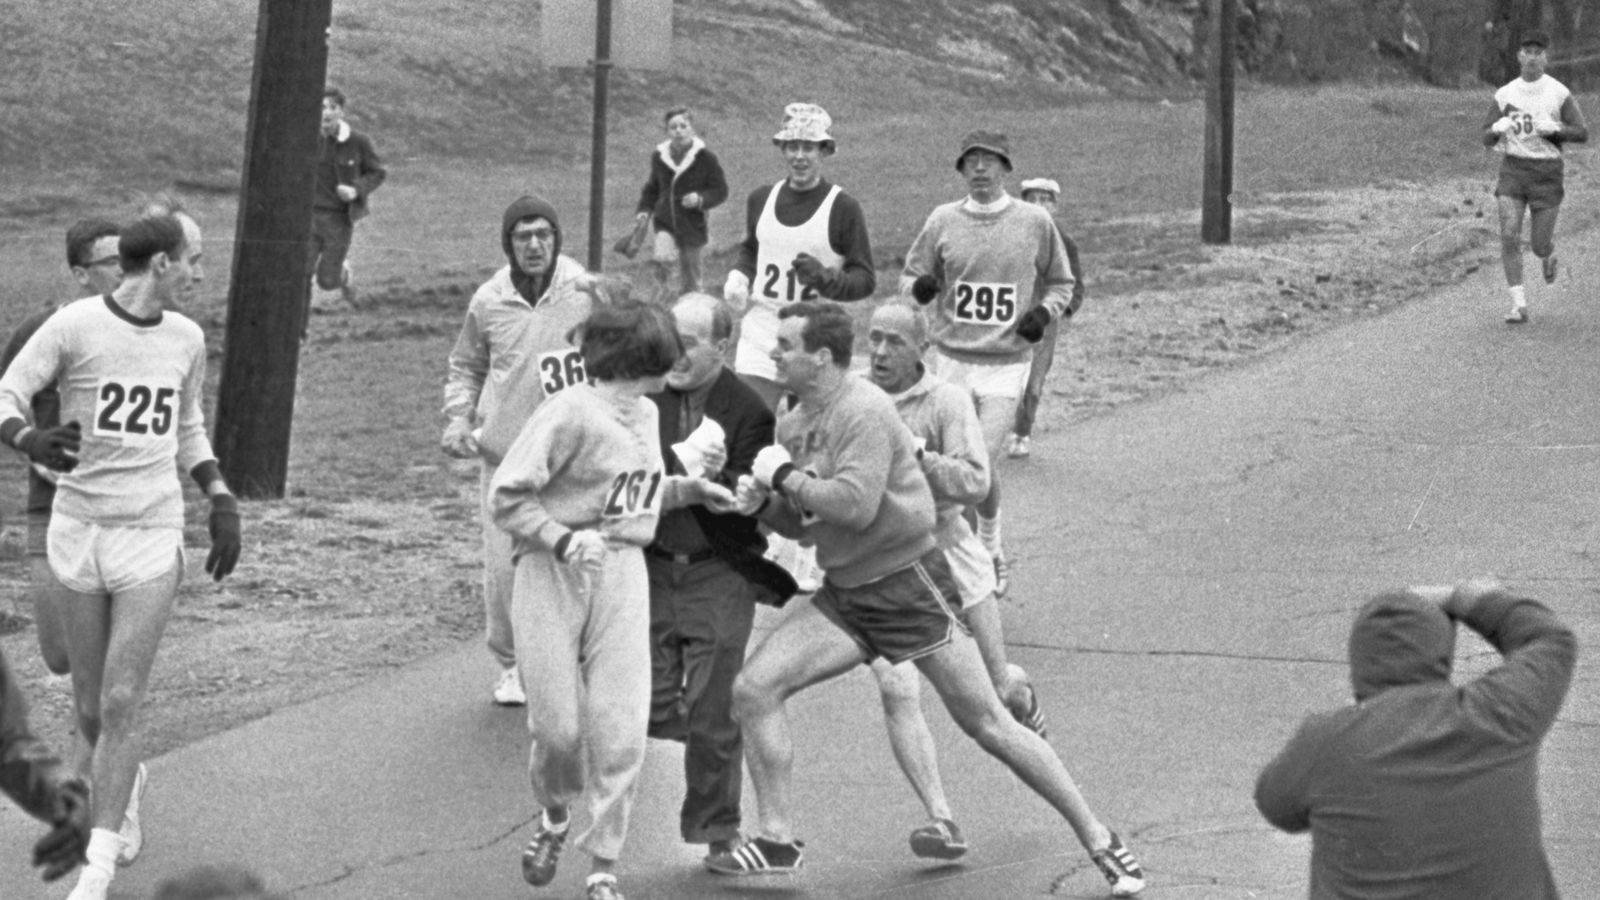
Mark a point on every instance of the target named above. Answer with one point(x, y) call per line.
point(1216, 212)
point(632, 33)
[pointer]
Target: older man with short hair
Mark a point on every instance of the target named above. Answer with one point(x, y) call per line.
point(707, 572)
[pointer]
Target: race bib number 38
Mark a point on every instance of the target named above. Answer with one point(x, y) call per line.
point(560, 370)
point(135, 412)
point(978, 303)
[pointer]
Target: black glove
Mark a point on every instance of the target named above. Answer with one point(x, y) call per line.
point(62, 850)
point(54, 448)
point(1031, 328)
point(809, 271)
point(925, 288)
point(225, 536)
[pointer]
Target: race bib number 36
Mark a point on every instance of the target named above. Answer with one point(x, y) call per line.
point(135, 412)
point(977, 303)
point(560, 370)
point(636, 493)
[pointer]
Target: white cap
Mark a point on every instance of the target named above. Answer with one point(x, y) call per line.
point(805, 122)
point(1041, 184)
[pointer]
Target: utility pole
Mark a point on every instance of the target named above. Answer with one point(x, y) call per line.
point(597, 152)
point(271, 266)
point(628, 33)
point(1216, 213)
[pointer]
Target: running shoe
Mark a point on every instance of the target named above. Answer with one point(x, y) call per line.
point(93, 884)
point(1517, 316)
point(508, 690)
point(1019, 446)
point(539, 859)
point(1549, 263)
point(132, 833)
point(1117, 864)
point(939, 839)
point(603, 887)
point(758, 856)
point(1030, 715)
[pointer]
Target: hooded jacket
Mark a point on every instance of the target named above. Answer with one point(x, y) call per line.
point(1423, 789)
point(698, 172)
point(514, 349)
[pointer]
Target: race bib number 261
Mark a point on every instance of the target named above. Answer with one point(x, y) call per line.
point(635, 493)
point(135, 412)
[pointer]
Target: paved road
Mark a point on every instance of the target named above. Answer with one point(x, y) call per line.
point(1187, 572)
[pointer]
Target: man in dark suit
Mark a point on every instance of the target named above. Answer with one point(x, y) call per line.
point(706, 573)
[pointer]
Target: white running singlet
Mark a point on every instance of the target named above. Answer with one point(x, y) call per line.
point(774, 285)
point(1528, 103)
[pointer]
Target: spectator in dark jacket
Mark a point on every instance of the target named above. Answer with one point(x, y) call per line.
point(348, 170)
point(1423, 789)
point(685, 182)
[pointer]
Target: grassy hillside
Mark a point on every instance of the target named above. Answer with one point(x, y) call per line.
point(101, 97)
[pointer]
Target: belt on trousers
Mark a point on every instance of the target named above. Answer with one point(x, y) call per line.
point(682, 559)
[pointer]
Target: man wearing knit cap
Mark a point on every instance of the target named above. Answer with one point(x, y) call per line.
point(994, 274)
point(1424, 788)
point(1044, 193)
point(805, 239)
point(513, 352)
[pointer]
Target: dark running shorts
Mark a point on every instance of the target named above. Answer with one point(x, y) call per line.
point(1537, 182)
point(901, 616)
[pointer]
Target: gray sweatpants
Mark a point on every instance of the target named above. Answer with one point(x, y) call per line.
point(583, 647)
point(497, 577)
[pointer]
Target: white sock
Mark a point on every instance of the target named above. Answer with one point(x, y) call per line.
point(104, 845)
point(1519, 296)
point(598, 877)
point(553, 827)
point(989, 532)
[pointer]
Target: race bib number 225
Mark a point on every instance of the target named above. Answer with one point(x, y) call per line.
point(135, 412)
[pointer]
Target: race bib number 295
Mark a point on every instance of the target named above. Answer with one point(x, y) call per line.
point(135, 412)
point(985, 304)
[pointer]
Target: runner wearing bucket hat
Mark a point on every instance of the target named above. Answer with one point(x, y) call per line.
point(805, 239)
point(994, 273)
point(806, 122)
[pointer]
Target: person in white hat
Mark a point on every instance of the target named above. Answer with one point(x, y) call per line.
point(805, 239)
point(1044, 192)
point(994, 274)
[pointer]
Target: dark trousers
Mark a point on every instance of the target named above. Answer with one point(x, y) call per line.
point(331, 230)
point(700, 619)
